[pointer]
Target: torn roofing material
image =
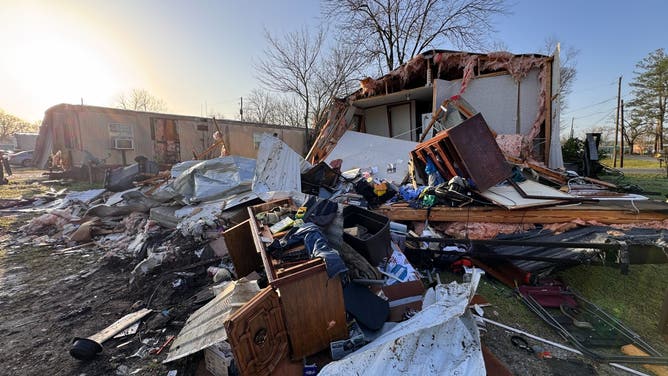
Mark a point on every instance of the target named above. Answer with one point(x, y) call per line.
point(214, 178)
point(205, 326)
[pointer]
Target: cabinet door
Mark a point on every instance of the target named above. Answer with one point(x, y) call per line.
point(257, 334)
point(313, 308)
point(240, 245)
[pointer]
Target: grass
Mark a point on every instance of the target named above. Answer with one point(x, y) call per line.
point(21, 190)
point(654, 186)
point(636, 299)
point(638, 173)
point(634, 161)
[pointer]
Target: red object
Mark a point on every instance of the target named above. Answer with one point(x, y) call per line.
point(167, 342)
point(548, 296)
point(458, 266)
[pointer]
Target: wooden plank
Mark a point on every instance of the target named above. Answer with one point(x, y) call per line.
point(493, 365)
point(605, 215)
point(633, 350)
point(119, 325)
point(240, 245)
point(257, 233)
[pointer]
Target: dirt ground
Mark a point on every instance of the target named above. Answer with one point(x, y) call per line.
point(49, 296)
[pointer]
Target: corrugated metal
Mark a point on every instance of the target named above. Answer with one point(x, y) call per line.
point(591, 234)
point(205, 326)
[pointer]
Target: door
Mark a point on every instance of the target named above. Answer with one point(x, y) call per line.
point(400, 121)
point(166, 141)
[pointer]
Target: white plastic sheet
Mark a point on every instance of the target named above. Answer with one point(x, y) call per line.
point(442, 339)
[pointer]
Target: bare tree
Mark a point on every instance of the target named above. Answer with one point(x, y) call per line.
point(397, 30)
point(140, 100)
point(289, 111)
point(296, 65)
point(11, 124)
point(288, 65)
point(262, 107)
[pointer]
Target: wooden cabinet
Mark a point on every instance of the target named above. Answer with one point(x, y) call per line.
point(311, 302)
point(257, 334)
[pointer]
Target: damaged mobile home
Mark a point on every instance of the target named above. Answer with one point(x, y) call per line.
point(115, 137)
point(291, 266)
point(517, 94)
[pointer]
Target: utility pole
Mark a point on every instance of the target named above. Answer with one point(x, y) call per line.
point(572, 131)
point(619, 95)
point(241, 109)
point(621, 124)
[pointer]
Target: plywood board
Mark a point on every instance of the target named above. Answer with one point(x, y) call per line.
point(477, 152)
point(240, 245)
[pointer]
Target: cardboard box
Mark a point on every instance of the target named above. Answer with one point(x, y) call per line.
point(217, 358)
point(405, 299)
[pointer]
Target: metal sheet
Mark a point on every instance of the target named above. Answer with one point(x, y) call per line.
point(279, 168)
point(215, 178)
point(594, 234)
point(206, 325)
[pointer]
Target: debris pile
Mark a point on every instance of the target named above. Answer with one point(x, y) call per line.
point(276, 265)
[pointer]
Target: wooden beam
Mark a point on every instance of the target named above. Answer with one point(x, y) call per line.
point(606, 215)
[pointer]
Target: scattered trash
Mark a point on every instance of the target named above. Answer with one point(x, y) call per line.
point(87, 348)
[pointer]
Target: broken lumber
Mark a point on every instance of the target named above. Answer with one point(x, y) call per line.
point(602, 214)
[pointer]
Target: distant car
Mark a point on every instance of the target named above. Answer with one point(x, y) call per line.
point(22, 158)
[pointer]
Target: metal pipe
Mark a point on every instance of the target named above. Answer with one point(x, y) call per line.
point(555, 344)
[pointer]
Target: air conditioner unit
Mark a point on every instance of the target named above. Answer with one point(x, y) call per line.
point(124, 143)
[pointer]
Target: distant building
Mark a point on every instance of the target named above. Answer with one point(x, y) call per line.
point(19, 142)
point(25, 141)
point(115, 136)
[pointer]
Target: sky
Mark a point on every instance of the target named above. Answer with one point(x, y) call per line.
point(198, 55)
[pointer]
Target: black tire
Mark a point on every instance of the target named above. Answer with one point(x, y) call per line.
point(26, 163)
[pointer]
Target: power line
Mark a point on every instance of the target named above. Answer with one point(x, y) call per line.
point(591, 114)
point(606, 115)
point(590, 105)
